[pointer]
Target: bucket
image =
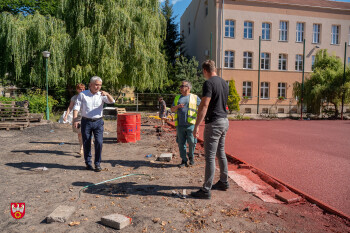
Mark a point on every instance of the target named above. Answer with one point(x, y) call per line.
point(126, 128)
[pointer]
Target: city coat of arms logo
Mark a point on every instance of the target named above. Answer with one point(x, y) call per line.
point(18, 210)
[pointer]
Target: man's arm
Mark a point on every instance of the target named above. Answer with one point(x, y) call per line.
point(109, 97)
point(202, 111)
point(76, 109)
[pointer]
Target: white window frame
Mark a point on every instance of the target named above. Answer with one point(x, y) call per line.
point(299, 62)
point(247, 87)
point(229, 59)
point(230, 28)
point(282, 90)
point(283, 31)
point(335, 34)
point(266, 31)
point(300, 28)
point(247, 60)
point(316, 33)
point(282, 58)
point(264, 90)
point(265, 61)
point(248, 28)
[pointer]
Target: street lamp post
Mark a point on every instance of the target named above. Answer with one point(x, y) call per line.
point(46, 55)
point(302, 83)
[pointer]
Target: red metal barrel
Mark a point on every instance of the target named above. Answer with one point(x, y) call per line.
point(138, 127)
point(126, 128)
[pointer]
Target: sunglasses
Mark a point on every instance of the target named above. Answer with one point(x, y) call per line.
point(182, 86)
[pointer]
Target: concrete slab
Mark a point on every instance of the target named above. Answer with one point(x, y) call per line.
point(165, 157)
point(116, 221)
point(60, 214)
point(288, 197)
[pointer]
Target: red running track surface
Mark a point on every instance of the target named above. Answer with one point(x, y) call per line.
point(312, 156)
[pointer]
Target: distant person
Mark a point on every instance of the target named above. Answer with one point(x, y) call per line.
point(213, 110)
point(185, 107)
point(162, 110)
point(79, 88)
point(90, 102)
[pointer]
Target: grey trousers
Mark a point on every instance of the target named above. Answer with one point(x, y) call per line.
point(214, 145)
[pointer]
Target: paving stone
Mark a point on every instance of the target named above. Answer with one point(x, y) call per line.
point(288, 197)
point(116, 221)
point(60, 214)
point(166, 157)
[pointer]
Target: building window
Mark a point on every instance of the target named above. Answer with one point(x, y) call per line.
point(300, 32)
point(229, 28)
point(266, 31)
point(189, 28)
point(282, 61)
point(349, 37)
point(248, 30)
point(283, 31)
point(335, 34)
point(265, 61)
point(299, 62)
point(229, 59)
point(264, 90)
point(316, 31)
point(247, 60)
point(206, 10)
point(312, 62)
point(247, 89)
point(282, 90)
point(348, 60)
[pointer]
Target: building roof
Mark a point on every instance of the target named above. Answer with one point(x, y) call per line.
point(327, 4)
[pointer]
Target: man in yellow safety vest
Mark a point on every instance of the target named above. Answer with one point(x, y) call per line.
point(185, 107)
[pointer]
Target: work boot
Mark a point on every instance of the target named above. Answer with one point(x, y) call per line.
point(183, 164)
point(200, 194)
point(192, 162)
point(220, 186)
point(89, 167)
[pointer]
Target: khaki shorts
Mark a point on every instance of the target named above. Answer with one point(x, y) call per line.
point(75, 130)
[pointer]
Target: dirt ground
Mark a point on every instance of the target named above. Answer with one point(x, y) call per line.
point(150, 202)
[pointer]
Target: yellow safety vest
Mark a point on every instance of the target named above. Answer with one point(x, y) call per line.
point(192, 109)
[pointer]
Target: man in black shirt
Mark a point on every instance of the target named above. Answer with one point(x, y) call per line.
point(212, 109)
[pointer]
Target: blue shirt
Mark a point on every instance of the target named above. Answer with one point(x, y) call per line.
point(183, 112)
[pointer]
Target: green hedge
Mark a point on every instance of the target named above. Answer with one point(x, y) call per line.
point(37, 101)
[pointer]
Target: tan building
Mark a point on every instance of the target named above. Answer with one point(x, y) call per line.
point(283, 25)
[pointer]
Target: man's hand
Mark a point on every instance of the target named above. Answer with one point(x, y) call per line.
point(196, 132)
point(180, 106)
point(103, 93)
point(65, 118)
point(76, 124)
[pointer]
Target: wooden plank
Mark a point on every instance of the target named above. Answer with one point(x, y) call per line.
point(121, 110)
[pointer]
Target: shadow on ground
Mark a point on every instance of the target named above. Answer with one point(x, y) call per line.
point(135, 164)
point(126, 189)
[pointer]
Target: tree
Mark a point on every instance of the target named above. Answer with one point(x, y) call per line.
point(187, 69)
point(233, 98)
point(325, 83)
point(120, 41)
point(172, 42)
point(44, 7)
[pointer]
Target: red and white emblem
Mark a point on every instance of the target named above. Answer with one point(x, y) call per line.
point(18, 210)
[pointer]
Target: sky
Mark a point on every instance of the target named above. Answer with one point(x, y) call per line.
point(179, 7)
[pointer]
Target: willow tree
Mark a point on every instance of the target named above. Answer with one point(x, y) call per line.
point(118, 40)
point(22, 39)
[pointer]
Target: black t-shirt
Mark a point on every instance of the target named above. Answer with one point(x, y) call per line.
point(217, 89)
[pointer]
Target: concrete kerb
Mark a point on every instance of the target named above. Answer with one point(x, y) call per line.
point(262, 174)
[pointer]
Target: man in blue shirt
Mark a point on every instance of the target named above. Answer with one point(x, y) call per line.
point(185, 107)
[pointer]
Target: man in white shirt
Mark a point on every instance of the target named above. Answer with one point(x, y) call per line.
point(90, 102)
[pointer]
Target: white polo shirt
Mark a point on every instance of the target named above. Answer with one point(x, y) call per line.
point(91, 105)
